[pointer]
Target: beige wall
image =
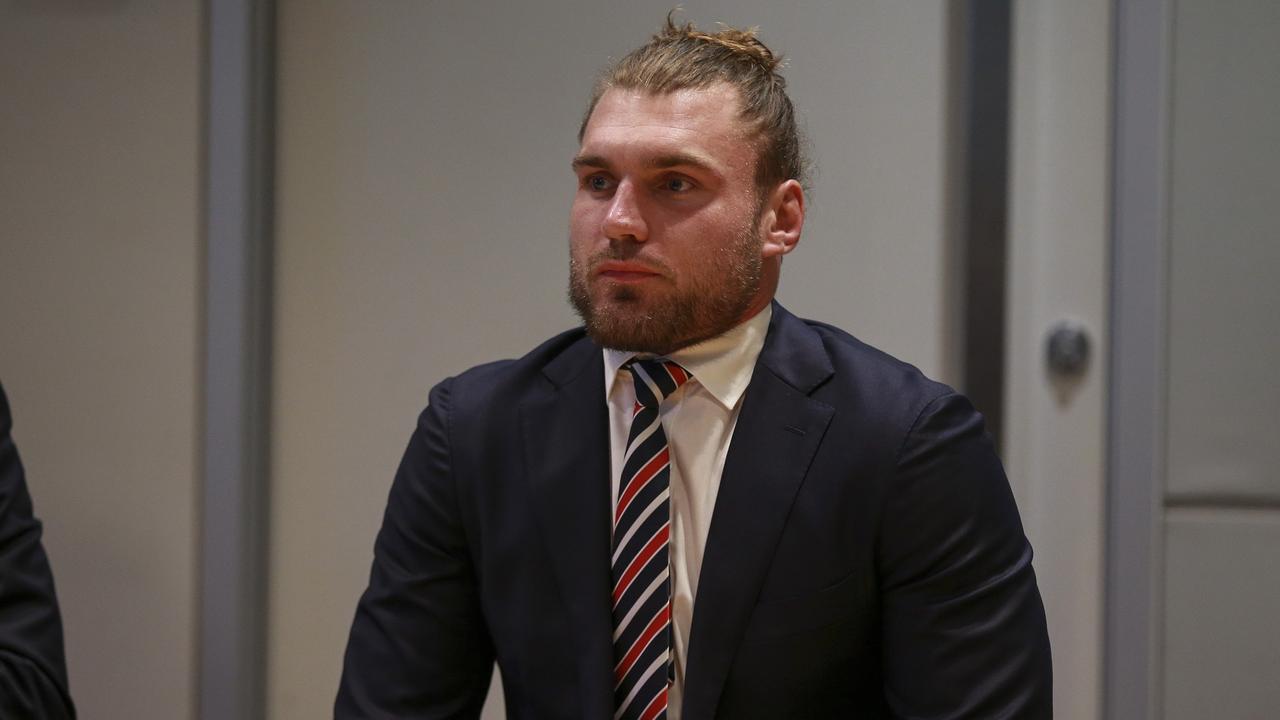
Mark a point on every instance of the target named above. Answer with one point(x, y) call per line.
point(423, 194)
point(99, 283)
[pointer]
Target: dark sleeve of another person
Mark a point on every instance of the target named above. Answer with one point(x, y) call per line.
point(33, 670)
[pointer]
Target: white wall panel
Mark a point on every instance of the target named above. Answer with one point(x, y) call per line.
point(1222, 636)
point(1224, 251)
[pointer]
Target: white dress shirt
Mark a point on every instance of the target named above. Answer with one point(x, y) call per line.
point(698, 420)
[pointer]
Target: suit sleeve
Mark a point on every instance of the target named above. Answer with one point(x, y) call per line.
point(33, 671)
point(964, 633)
point(419, 647)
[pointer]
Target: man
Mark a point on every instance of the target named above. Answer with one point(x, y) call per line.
point(33, 670)
point(697, 505)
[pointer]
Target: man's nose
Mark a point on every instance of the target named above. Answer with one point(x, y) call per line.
point(625, 221)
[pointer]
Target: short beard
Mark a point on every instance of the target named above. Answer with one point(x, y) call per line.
point(714, 300)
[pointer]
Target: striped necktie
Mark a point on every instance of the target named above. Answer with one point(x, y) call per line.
point(641, 530)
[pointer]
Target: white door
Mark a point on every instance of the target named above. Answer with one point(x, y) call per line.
point(1059, 225)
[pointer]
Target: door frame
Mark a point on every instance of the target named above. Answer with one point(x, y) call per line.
point(1136, 414)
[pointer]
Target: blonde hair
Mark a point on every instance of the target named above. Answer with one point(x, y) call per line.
point(681, 57)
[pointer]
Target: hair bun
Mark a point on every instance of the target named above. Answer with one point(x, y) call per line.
point(741, 41)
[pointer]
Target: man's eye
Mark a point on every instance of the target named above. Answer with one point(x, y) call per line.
point(598, 183)
point(679, 185)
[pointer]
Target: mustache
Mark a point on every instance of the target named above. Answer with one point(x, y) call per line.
point(631, 256)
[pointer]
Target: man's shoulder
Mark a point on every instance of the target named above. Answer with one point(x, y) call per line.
point(861, 375)
point(880, 399)
point(854, 360)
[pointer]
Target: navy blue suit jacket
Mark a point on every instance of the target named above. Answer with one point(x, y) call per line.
point(865, 557)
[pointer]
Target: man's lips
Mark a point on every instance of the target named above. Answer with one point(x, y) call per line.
point(621, 271)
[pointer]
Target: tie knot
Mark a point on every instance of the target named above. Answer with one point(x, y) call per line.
point(656, 379)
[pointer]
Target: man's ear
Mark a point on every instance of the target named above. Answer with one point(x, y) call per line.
point(783, 219)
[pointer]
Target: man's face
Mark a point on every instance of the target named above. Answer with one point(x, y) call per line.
point(665, 241)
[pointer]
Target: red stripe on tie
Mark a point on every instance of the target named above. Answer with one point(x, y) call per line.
point(658, 540)
point(656, 707)
point(642, 477)
point(658, 622)
point(677, 373)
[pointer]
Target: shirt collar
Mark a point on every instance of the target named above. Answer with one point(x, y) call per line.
point(723, 364)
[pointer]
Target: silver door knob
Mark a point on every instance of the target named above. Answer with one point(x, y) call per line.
point(1067, 348)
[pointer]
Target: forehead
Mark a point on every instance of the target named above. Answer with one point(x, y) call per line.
point(703, 121)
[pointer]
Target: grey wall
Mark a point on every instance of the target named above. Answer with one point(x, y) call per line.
point(423, 199)
point(1222, 523)
point(99, 261)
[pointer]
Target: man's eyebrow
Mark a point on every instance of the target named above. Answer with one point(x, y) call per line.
point(590, 161)
point(681, 160)
point(660, 162)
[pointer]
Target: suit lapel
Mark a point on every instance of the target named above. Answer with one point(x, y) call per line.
point(778, 432)
point(565, 426)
